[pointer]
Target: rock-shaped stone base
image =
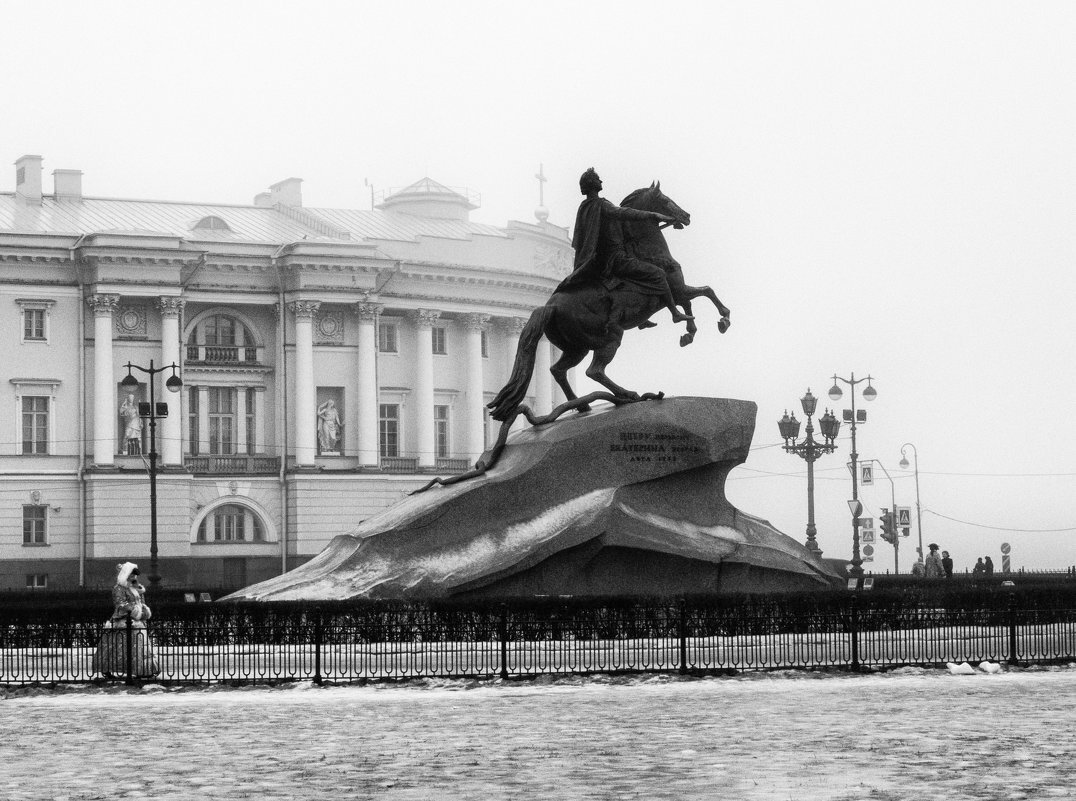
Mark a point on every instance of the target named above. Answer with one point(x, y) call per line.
point(626, 500)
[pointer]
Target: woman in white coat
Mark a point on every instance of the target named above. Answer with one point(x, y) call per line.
point(128, 603)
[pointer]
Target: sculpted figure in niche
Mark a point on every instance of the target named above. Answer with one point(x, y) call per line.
point(328, 426)
point(132, 425)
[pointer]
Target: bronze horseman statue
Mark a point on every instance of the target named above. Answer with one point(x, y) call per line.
point(623, 274)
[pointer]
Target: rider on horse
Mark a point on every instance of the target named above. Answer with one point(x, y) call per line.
point(600, 252)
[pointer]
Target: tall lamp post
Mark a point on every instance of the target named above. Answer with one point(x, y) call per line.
point(918, 509)
point(152, 411)
point(809, 450)
point(851, 416)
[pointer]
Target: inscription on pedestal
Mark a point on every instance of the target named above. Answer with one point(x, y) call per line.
point(644, 446)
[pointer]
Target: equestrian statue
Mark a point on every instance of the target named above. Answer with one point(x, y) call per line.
point(623, 275)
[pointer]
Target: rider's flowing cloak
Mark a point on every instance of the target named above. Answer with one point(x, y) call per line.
point(607, 262)
point(585, 239)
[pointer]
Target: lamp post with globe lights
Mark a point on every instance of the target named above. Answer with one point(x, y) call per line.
point(152, 411)
point(904, 465)
point(809, 450)
point(853, 417)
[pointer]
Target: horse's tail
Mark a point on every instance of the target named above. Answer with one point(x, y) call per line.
point(513, 393)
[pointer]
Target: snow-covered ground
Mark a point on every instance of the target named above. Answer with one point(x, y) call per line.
point(906, 734)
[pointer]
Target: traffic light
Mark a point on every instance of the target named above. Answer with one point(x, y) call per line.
point(886, 521)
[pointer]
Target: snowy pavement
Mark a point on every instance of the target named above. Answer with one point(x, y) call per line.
point(907, 734)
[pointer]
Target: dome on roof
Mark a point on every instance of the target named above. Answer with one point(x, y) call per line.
point(428, 198)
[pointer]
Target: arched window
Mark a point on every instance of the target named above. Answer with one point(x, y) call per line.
point(231, 522)
point(211, 223)
point(221, 339)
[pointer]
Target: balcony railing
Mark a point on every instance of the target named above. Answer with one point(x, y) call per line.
point(399, 464)
point(453, 465)
point(223, 354)
point(242, 464)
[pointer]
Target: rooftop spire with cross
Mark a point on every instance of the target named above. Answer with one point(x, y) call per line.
point(542, 213)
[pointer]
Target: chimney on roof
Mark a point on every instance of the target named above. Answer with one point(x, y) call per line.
point(263, 199)
point(28, 179)
point(287, 193)
point(67, 184)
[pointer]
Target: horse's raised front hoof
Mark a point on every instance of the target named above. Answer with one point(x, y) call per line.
point(686, 340)
point(723, 324)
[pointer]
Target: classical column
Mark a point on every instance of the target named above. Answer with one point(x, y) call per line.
point(366, 409)
point(259, 419)
point(241, 420)
point(171, 308)
point(424, 320)
point(543, 386)
point(476, 399)
point(305, 407)
point(104, 382)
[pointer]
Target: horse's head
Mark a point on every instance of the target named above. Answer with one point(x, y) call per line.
point(653, 199)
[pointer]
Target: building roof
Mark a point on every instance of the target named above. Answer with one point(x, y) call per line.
point(262, 224)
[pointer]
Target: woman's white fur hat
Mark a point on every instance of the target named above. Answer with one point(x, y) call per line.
point(123, 572)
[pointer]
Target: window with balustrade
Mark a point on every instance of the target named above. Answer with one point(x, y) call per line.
point(221, 339)
point(440, 432)
point(389, 430)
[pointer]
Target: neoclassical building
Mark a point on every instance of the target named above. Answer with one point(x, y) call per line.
point(331, 361)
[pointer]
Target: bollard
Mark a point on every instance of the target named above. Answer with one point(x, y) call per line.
point(130, 650)
point(502, 634)
point(683, 636)
point(317, 648)
point(853, 625)
point(1013, 659)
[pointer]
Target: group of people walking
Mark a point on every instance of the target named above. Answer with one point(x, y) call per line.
point(940, 565)
point(936, 565)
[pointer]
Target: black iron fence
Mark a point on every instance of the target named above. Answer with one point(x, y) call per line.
point(345, 643)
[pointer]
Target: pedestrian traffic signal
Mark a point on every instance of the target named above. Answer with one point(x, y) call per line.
point(886, 522)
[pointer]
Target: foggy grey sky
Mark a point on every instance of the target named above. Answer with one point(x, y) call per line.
point(874, 188)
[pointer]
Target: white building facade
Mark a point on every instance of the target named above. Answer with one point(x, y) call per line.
point(331, 362)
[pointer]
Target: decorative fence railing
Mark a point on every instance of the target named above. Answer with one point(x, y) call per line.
point(233, 643)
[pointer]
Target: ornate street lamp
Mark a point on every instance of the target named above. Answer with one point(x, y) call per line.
point(152, 411)
point(809, 450)
point(918, 509)
point(854, 417)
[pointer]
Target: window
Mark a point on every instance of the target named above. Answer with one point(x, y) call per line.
point(35, 424)
point(221, 339)
point(387, 341)
point(231, 523)
point(35, 522)
point(389, 429)
point(33, 324)
point(211, 223)
point(35, 319)
point(440, 431)
point(251, 427)
point(37, 581)
point(221, 420)
point(192, 420)
point(440, 346)
point(485, 344)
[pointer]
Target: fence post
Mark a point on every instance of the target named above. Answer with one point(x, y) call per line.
point(853, 625)
point(502, 635)
point(1013, 660)
point(683, 636)
point(317, 647)
point(130, 650)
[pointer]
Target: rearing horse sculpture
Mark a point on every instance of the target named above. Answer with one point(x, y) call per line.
point(578, 320)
